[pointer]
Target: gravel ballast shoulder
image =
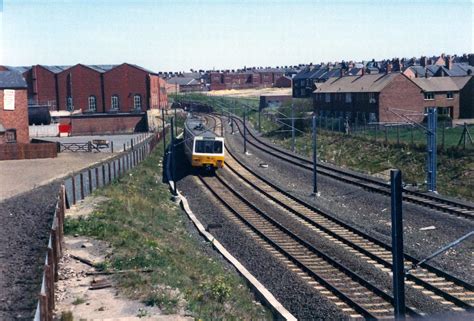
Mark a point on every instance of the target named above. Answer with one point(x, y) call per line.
point(25, 223)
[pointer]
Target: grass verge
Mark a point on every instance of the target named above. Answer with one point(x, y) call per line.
point(148, 231)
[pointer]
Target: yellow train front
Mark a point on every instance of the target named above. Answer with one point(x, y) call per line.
point(203, 148)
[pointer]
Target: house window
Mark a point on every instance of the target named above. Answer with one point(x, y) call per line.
point(69, 104)
point(92, 103)
point(327, 98)
point(372, 99)
point(429, 96)
point(449, 95)
point(10, 135)
point(348, 97)
point(115, 103)
point(137, 102)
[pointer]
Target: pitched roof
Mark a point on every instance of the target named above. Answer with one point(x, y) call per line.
point(182, 81)
point(11, 79)
point(101, 68)
point(440, 84)
point(365, 83)
point(56, 69)
point(20, 69)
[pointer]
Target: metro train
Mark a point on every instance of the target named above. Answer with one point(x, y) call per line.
point(203, 148)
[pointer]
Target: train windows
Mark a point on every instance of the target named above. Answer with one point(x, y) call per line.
point(208, 147)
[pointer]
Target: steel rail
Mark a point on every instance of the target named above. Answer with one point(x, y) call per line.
point(332, 217)
point(328, 231)
point(447, 206)
point(308, 246)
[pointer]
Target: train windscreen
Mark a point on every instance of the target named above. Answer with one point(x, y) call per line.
point(208, 147)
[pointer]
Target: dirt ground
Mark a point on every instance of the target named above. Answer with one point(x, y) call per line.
point(19, 176)
point(75, 288)
point(250, 93)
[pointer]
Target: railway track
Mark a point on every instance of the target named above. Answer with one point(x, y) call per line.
point(356, 297)
point(461, 209)
point(446, 289)
point(342, 286)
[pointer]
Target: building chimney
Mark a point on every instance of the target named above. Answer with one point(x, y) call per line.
point(449, 62)
point(363, 71)
point(471, 59)
point(423, 61)
point(341, 71)
point(388, 68)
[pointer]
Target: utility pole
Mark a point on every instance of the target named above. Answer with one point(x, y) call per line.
point(315, 177)
point(259, 120)
point(164, 130)
point(397, 245)
point(173, 157)
point(292, 128)
point(245, 131)
point(431, 149)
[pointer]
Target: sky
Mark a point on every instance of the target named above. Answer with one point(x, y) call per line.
point(181, 35)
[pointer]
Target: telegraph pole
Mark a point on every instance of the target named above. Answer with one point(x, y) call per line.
point(397, 245)
point(431, 147)
point(245, 131)
point(292, 128)
point(173, 157)
point(315, 158)
point(164, 130)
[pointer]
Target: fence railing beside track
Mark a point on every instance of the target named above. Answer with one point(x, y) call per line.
point(74, 188)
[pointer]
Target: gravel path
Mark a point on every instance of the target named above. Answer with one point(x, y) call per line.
point(370, 212)
point(25, 222)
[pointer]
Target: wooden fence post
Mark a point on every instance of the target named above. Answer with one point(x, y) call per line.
point(103, 175)
point(73, 188)
point(81, 181)
point(89, 174)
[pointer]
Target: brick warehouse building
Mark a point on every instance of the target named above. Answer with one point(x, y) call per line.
point(96, 88)
point(129, 88)
point(391, 97)
point(13, 108)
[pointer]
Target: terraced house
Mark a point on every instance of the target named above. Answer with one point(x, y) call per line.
point(393, 97)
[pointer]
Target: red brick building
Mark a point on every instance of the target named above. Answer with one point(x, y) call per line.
point(96, 88)
point(244, 79)
point(13, 108)
point(283, 82)
point(392, 97)
point(130, 88)
point(80, 87)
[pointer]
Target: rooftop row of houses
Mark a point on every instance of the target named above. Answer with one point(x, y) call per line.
point(94, 88)
point(394, 97)
point(307, 80)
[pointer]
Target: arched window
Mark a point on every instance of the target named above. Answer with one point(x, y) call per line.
point(137, 102)
point(115, 105)
point(69, 104)
point(92, 103)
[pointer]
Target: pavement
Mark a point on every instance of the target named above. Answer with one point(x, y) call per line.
point(19, 176)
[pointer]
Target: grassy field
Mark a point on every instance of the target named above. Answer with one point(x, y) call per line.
point(147, 231)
